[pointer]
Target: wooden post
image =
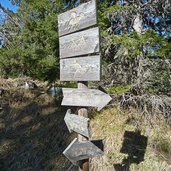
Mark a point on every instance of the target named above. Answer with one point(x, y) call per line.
point(79, 44)
point(84, 164)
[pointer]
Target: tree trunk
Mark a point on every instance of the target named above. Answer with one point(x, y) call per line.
point(138, 27)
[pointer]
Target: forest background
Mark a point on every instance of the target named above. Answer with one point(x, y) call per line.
point(130, 30)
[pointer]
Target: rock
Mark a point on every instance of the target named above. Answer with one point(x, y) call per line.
point(55, 91)
point(30, 85)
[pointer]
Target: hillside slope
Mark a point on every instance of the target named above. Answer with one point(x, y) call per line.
point(33, 135)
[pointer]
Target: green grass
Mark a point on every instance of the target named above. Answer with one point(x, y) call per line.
point(119, 89)
point(69, 84)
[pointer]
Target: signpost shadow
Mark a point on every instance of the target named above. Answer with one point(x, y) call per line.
point(134, 145)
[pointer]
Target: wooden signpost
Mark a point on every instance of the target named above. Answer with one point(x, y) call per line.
point(85, 68)
point(85, 97)
point(78, 18)
point(77, 123)
point(77, 151)
point(80, 61)
point(81, 43)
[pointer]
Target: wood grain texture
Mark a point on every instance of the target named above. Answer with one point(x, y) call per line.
point(83, 112)
point(81, 43)
point(77, 151)
point(77, 123)
point(78, 18)
point(85, 97)
point(81, 69)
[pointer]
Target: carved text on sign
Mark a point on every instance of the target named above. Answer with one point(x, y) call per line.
point(71, 44)
point(78, 18)
point(85, 97)
point(80, 68)
point(77, 123)
point(76, 44)
point(75, 20)
point(77, 151)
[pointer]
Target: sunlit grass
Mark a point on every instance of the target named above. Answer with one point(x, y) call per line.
point(110, 125)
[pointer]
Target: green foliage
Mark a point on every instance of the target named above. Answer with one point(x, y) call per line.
point(148, 44)
point(161, 81)
point(119, 89)
point(35, 50)
point(70, 84)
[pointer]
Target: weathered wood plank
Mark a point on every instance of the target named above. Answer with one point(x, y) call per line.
point(78, 18)
point(77, 123)
point(85, 97)
point(77, 151)
point(81, 43)
point(81, 69)
point(83, 164)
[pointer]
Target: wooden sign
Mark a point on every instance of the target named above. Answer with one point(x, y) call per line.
point(77, 123)
point(78, 18)
point(85, 97)
point(86, 68)
point(77, 151)
point(81, 43)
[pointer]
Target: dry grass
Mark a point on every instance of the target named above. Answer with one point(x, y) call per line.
point(33, 134)
point(18, 83)
point(112, 124)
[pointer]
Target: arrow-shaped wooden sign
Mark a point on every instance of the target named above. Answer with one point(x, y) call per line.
point(77, 123)
point(77, 151)
point(85, 97)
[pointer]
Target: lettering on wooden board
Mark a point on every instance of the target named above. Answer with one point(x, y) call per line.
point(86, 68)
point(77, 123)
point(81, 43)
point(78, 18)
point(85, 97)
point(77, 151)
